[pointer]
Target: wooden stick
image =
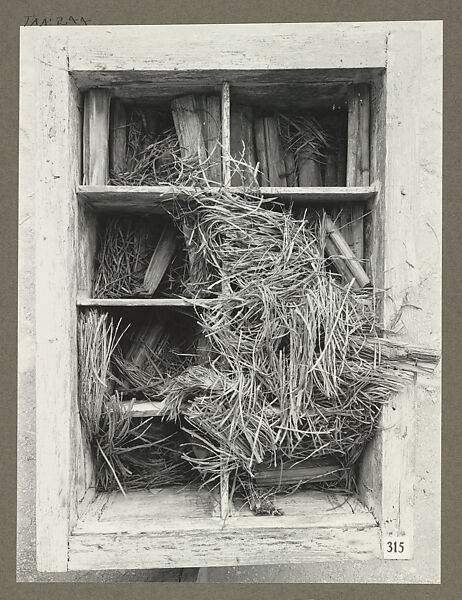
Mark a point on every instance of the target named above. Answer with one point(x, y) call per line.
point(291, 169)
point(326, 469)
point(309, 171)
point(161, 258)
point(118, 137)
point(211, 131)
point(343, 257)
point(185, 112)
point(96, 137)
point(260, 145)
point(330, 175)
point(357, 162)
point(242, 145)
point(226, 132)
point(274, 153)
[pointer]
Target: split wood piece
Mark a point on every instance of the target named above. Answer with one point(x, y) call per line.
point(96, 137)
point(309, 171)
point(242, 146)
point(269, 152)
point(210, 116)
point(148, 340)
point(161, 258)
point(188, 126)
point(226, 132)
point(291, 169)
point(357, 167)
point(331, 172)
point(343, 257)
point(118, 137)
point(293, 472)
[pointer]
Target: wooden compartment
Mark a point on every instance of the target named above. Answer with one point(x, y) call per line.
point(196, 527)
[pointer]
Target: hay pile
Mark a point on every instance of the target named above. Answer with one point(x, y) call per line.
point(295, 368)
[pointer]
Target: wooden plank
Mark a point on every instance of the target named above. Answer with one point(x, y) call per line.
point(216, 544)
point(226, 132)
point(309, 171)
point(55, 119)
point(264, 47)
point(387, 477)
point(86, 248)
point(242, 146)
point(357, 168)
point(96, 137)
point(153, 302)
point(117, 137)
point(185, 112)
point(211, 131)
point(158, 199)
point(161, 258)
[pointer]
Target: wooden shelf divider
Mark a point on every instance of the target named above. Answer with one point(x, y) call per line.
point(140, 302)
point(158, 199)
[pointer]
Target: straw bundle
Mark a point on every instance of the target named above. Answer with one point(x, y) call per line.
point(127, 249)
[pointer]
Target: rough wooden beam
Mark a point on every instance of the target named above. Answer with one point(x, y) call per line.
point(210, 114)
point(118, 137)
point(96, 137)
point(357, 168)
point(162, 256)
point(242, 146)
point(185, 112)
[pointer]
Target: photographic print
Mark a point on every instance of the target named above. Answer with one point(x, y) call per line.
point(230, 301)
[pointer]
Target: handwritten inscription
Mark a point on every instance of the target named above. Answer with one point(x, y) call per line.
point(42, 21)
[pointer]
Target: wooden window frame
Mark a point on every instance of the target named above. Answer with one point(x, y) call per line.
point(57, 64)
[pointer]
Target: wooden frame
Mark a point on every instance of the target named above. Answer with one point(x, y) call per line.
point(57, 64)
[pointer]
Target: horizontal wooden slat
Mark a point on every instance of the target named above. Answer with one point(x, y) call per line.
point(158, 199)
point(147, 302)
point(256, 46)
point(171, 527)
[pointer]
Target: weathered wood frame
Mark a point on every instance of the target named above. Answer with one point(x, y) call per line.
point(56, 65)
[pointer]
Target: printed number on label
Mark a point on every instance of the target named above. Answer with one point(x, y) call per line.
point(395, 547)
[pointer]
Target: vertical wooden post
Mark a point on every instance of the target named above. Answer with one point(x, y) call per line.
point(96, 137)
point(226, 132)
point(212, 136)
point(118, 137)
point(357, 163)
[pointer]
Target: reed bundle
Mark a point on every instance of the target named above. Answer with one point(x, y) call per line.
point(126, 247)
point(295, 369)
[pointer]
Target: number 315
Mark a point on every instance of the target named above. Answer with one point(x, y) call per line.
point(396, 547)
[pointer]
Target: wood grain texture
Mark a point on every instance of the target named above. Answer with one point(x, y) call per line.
point(117, 137)
point(96, 137)
point(242, 145)
point(226, 132)
point(211, 132)
point(158, 199)
point(153, 302)
point(185, 112)
point(357, 167)
point(242, 46)
point(387, 469)
point(86, 248)
point(161, 258)
point(56, 122)
point(170, 527)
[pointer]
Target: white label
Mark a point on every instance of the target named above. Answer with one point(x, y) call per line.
point(396, 547)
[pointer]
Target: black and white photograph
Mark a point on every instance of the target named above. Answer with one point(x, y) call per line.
point(229, 363)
